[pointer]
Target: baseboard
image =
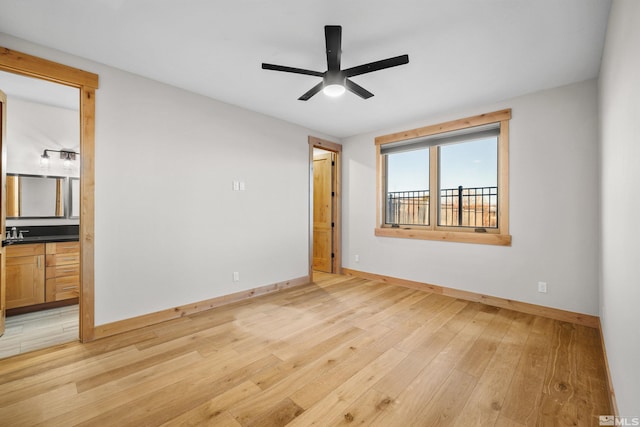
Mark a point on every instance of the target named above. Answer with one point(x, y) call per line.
point(612, 394)
point(539, 310)
point(138, 322)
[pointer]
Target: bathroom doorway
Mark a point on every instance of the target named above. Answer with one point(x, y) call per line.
point(42, 167)
point(84, 84)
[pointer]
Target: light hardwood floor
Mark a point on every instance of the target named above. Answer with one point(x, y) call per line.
point(340, 351)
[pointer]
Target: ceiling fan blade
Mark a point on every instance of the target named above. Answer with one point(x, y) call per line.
point(317, 88)
point(377, 65)
point(357, 89)
point(291, 70)
point(333, 37)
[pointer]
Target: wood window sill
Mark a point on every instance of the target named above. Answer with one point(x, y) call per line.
point(447, 236)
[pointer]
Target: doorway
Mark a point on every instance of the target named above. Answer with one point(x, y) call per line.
point(26, 65)
point(325, 203)
point(42, 208)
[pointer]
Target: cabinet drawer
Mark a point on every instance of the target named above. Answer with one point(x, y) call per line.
point(25, 250)
point(60, 288)
point(62, 259)
point(63, 247)
point(63, 271)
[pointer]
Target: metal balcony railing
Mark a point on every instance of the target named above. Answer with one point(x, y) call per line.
point(408, 207)
point(474, 207)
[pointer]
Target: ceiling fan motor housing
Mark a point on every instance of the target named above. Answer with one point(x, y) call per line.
point(334, 78)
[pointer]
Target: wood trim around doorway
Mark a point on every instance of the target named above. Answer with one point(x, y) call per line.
point(336, 148)
point(21, 63)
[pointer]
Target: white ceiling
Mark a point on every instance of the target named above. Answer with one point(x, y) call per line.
point(462, 52)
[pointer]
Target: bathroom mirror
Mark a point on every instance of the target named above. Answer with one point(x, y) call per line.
point(34, 196)
point(75, 197)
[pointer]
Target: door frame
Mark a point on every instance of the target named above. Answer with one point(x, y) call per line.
point(3, 208)
point(27, 65)
point(336, 235)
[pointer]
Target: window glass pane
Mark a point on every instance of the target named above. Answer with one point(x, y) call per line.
point(469, 184)
point(407, 188)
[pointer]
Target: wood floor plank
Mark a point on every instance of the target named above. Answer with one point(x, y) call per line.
point(506, 422)
point(35, 408)
point(300, 372)
point(468, 324)
point(484, 405)
point(402, 304)
point(440, 316)
point(181, 396)
point(338, 351)
point(592, 390)
point(271, 377)
point(64, 412)
point(344, 364)
point(338, 400)
point(483, 350)
point(525, 392)
point(280, 414)
point(445, 406)
point(23, 388)
point(142, 360)
point(363, 410)
point(214, 411)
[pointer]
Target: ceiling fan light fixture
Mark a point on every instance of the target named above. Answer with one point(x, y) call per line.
point(334, 90)
point(335, 81)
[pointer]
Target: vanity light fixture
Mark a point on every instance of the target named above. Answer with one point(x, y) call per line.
point(66, 155)
point(44, 159)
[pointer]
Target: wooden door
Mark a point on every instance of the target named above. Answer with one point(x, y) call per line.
point(323, 192)
point(25, 275)
point(3, 206)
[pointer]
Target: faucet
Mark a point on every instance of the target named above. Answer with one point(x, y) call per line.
point(14, 233)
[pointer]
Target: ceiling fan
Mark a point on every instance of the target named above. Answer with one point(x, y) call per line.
point(334, 80)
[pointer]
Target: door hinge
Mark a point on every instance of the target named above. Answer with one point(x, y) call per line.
point(333, 255)
point(333, 194)
point(333, 224)
point(333, 163)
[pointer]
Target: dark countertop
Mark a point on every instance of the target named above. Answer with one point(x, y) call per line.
point(43, 234)
point(42, 239)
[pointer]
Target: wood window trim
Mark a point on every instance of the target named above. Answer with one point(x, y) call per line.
point(499, 236)
point(27, 65)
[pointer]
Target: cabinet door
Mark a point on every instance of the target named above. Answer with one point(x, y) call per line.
point(25, 280)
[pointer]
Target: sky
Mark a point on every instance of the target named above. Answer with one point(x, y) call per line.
point(470, 164)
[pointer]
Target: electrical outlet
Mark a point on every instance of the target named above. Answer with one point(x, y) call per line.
point(542, 287)
point(236, 276)
point(236, 186)
point(242, 187)
point(357, 258)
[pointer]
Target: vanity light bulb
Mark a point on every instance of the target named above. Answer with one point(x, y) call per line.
point(44, 161)
point(67, 164)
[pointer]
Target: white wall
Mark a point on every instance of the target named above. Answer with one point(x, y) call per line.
point(553, 209)
point(169, 229)
point(31, 128)
point(620, 151)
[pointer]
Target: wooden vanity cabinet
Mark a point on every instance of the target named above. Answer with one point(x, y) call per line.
point(25, 269)
point(63, 271)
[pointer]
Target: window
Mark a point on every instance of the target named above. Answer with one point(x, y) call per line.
point(447, 181)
